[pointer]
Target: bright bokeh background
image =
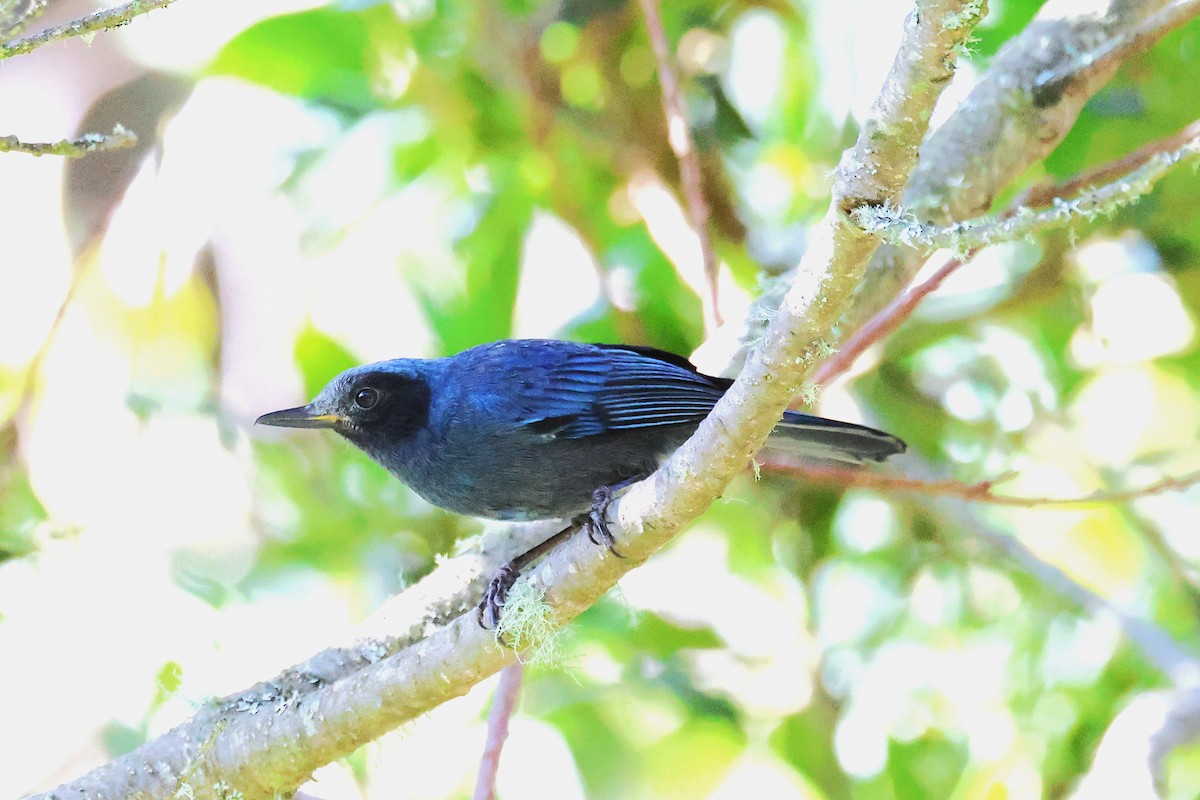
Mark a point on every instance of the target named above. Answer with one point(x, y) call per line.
point(323, 185)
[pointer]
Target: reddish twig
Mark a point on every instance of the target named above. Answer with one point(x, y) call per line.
point(981, 492)
point(1044, 194)
point(884, 323)
point(503, 704)
point(680, 139)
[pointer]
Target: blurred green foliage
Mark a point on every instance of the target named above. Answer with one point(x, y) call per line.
point(822, 643)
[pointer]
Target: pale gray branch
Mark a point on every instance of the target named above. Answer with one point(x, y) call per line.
point(1017, 114)
point(1157, 646)
point(1130, 761)
point(899, 226)
point(16, 14)
point(101, 20)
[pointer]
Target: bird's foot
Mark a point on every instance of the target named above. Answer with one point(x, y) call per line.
point(497, 592)
point(595, 521)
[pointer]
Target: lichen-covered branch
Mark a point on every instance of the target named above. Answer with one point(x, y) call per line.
point(887, 147)
point(1021, 108)
point(275, 750)
point(899, 226)
point(16, 14)
point(1043, 194)
point(119, 139)
point(168, 765)
point(1183, 144)
point(452, 588)
point(101, 20)
point(873, 171)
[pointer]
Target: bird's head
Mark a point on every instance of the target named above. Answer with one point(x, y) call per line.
point(375, 406)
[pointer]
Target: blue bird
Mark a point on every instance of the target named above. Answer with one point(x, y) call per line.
point(539, 429)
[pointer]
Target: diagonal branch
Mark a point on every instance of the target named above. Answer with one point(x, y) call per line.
point(885, 323)
point(109, 18)
point(1146, 165)
point(14, 16)
point(260, 755)
point(1015, 116)
point(680, 138)
point(1178, 664)
point(1046, 193)
point(119, 139)
point(898, 226)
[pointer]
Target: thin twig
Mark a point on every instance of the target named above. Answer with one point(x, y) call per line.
point(885, 322)
point(680, 138)
point(898, 226)
point(980, 492)
point(119, 139)
point(504, 702)
point(109, 18)
point(1176, 662)
point(1014, 117)
point(1044, 194)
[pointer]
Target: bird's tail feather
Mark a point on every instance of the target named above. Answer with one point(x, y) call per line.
point(817, 439)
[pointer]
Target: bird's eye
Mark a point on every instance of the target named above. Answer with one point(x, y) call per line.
point(366, 398)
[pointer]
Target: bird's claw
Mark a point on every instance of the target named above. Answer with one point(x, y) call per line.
point(595, 521)
point(493, 599)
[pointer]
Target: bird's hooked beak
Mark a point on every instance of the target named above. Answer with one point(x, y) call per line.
point(300, 417)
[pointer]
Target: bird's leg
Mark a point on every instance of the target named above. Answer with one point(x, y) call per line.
point(594, 523)
point(506, 576)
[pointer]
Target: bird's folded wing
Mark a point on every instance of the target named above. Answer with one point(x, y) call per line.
point(611, 388)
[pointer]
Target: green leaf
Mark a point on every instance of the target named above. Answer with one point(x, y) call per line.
point(324, 54)
point(482, 310)
point(120, 739)
point(20, 514)
point(320, 358)
point(662, 639)
point(805, 740)
point(927, 767)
